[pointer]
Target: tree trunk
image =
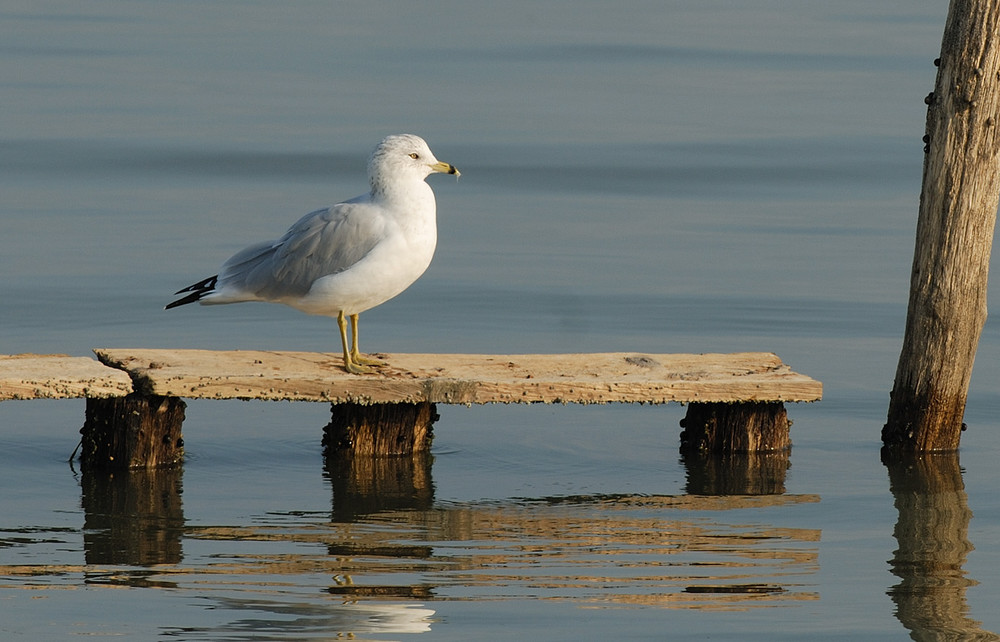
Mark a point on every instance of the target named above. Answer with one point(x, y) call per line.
point(958, 205)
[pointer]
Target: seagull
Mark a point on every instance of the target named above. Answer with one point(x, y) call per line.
point(348, 258)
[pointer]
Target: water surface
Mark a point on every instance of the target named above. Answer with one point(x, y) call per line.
point(649, 177)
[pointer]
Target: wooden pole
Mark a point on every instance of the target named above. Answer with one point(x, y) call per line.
point(379, 429)
point(135, 431)
point(958, 205)
point(735, 427)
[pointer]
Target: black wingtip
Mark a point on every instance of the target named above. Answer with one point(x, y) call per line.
point(197, 291)
point(191, 298)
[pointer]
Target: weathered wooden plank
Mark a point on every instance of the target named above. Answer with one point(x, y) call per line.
point(466, 378)
point(59, 376)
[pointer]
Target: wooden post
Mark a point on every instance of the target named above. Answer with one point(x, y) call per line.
point(735, 427)
point(958, 205)
point(379, 429)
point(134, 431)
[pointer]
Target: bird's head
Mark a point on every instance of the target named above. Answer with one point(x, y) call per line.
point(403, 157)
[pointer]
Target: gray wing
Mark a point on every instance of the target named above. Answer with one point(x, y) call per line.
point(320, 243)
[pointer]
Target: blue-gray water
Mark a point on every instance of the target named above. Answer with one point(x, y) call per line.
point(646, 176)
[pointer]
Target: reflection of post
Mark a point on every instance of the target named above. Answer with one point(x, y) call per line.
point(366, 484)
point(133, 518)
point(754, 473)
point(932, 533)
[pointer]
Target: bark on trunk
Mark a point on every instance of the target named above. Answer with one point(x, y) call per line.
point(958, 204)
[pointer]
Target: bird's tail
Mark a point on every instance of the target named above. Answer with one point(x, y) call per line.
point(196, 292)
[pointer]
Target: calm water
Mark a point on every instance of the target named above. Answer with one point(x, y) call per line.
point(653, 176)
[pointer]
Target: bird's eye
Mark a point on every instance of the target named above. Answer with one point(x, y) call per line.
point(414, 156)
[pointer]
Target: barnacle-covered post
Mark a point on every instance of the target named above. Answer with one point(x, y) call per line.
point(135, 431)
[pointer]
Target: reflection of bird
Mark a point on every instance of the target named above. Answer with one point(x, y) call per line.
point(348, 258)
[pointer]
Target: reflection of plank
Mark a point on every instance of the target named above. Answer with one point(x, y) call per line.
point(33, 376)
point(677, 502)
point(633, 550)
point(465, 379)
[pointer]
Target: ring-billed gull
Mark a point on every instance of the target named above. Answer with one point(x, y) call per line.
point(343, 260)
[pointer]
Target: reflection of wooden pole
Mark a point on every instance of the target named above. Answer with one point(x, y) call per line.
point(133, 518)
point(958, 206)
point(368, 484)
point(751, 473)
point(932, 533)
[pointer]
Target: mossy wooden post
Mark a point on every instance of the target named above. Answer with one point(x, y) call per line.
point(134, 431)
point(958, 205)
point(735, 427)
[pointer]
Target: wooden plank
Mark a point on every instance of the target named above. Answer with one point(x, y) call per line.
point(466, 378)
point(58, 376)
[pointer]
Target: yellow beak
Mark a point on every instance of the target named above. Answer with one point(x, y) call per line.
point(445, 168)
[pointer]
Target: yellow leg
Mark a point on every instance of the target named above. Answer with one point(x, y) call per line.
point(349, 364)
point(356, 356)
